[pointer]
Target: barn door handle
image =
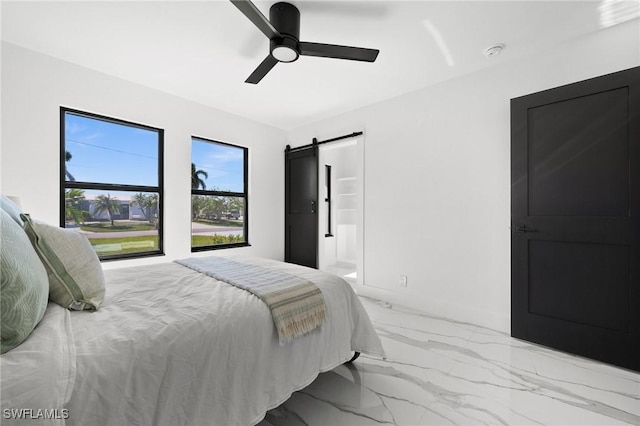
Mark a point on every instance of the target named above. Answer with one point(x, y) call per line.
point(524, 229)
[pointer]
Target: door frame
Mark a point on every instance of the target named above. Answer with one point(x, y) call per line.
point(358, 140)
point(360, 201)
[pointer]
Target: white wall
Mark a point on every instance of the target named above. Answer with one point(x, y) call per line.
point(34, 86)
point(436, 165)
point(437, 178)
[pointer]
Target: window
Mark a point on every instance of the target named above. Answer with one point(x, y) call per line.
point(218, 195)
point(111, 183)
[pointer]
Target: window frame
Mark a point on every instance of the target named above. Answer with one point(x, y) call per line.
point(159, 189)
point(244, 195)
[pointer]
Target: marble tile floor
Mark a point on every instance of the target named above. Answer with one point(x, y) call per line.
point(443, 372)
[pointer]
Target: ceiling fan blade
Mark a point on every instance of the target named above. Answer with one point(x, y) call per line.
point(338, 52)
point(251, 11)
point(262, 70)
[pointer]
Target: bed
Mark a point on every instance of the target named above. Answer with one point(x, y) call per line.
point(173, 346)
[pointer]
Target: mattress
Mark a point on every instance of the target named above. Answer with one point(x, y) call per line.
point(172, 346)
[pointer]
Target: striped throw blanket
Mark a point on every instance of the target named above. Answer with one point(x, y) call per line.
point(297, 305)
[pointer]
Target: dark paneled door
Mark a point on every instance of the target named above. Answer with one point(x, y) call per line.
point(575, 218)
point(301, 206)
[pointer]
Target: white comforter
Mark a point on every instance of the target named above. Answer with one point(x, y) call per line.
point(171, 346)
point(37, 377)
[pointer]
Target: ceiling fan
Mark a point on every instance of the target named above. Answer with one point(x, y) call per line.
point(283, 30)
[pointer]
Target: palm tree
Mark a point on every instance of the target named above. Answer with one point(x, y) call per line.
point(106, 203)
point(147, 203)
point(72, 198)
point(196, 180)
point(67, 158)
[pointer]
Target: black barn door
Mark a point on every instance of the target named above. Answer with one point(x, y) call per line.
point(575, 218)
point(301, 206)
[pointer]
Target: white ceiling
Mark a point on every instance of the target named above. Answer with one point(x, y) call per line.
point(204, 50)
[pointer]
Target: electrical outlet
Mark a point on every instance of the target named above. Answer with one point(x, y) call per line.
point(403, 280)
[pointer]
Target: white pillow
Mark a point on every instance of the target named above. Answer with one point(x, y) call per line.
point(11, 209)
point(24, 288)
point(76, 280)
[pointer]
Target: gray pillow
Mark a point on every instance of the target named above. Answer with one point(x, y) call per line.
point(11, 208)
point(76, 280)
point(24, 287)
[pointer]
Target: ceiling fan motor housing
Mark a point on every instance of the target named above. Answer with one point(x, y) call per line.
point(283, 31)
point(285, 18)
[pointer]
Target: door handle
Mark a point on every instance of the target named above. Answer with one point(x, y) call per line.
point(313, 207)
point(524, 229)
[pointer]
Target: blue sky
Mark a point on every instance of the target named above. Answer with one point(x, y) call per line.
point(223, 164)
point(106, 152)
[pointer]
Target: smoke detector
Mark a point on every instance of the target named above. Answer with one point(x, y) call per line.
point(494, 50)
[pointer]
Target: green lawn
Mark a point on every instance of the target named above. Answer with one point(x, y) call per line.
point(115, 246)
point(118, 227)
point(210, 240)
point(111, 246)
